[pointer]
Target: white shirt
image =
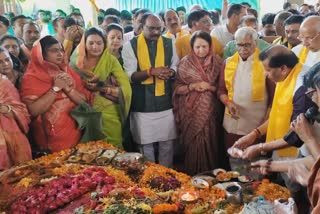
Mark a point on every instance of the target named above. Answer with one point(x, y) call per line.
point(128, 36)
point(312, 58)
point(251, 114)
point(222, 34)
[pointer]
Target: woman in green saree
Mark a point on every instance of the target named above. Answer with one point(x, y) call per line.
point(104, 77)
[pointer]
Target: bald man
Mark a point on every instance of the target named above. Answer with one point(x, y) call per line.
point(309, 50)
point(172, 23)
point(150, 61)
point(283, 67)
point(279, 26)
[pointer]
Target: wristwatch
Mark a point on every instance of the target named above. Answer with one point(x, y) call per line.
point(56, 89)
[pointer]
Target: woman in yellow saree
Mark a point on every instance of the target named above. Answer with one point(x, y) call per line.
point(104, 77)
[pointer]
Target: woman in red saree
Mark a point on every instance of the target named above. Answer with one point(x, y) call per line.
point(51, 89)
point(14, 120)
point(196, 105)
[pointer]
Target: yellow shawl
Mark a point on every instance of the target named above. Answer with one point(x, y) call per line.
point(303, 54)
point(258, 77)
point(145, 64)
point(179, 34)
point(281, 111)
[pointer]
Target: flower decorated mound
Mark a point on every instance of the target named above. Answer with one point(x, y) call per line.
point(164, 184)
point(61, 191)
point(171, 178)
point(53, 184)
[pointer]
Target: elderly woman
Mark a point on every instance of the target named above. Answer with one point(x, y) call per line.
point(105, 78)
point(14, 121)
point(195, 104)
point(11, 43)
point(51, 89)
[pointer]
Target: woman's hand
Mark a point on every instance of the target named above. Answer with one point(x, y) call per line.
point(59, 81)
point(200, 86)
point(91, 84)
point(303, 128)
point(299, 173)
point(69, 82)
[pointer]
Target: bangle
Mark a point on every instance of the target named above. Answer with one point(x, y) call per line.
point(262, 152)
point(172, 72)
point(257, 132)
point(9, 109)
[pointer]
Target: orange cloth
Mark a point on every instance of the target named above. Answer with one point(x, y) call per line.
point(60, 126)
point(183, 46)
point(14, 145)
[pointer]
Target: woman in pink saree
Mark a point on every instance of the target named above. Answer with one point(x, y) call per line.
point(196, 105)
point(14, 120)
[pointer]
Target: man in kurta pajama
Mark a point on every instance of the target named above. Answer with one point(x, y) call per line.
point(150, 61)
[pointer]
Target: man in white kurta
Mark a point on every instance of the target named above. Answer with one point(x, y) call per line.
point(309, 50)
point(151, 119)
point(243, 114)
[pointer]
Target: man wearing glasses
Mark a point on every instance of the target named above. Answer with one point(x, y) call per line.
point(283, 67)
point(150, 61)
point(309, 50)
point(243, 89)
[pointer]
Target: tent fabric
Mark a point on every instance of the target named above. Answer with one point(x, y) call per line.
point(157, 6)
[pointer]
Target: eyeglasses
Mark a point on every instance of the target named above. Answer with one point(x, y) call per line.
point(310, 93)
point(245, 45)
point(301, 38)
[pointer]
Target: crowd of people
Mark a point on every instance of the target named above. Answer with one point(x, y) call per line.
point(213, 87)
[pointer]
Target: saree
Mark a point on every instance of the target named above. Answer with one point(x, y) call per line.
point(14, 145)
point(55, 129)
point(314, 187)
point(196, 113)
point(113, 114)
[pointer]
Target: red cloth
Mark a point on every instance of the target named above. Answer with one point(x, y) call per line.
point(196, 113)
point(60, 126)
point(314, 187)
point(14, 146)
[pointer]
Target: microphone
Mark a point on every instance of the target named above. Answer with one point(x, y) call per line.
point(292, 137)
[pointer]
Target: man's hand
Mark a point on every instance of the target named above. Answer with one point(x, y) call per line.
point(252, 152)
point(302, 128)
point(233, 109)
point(299, 173)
